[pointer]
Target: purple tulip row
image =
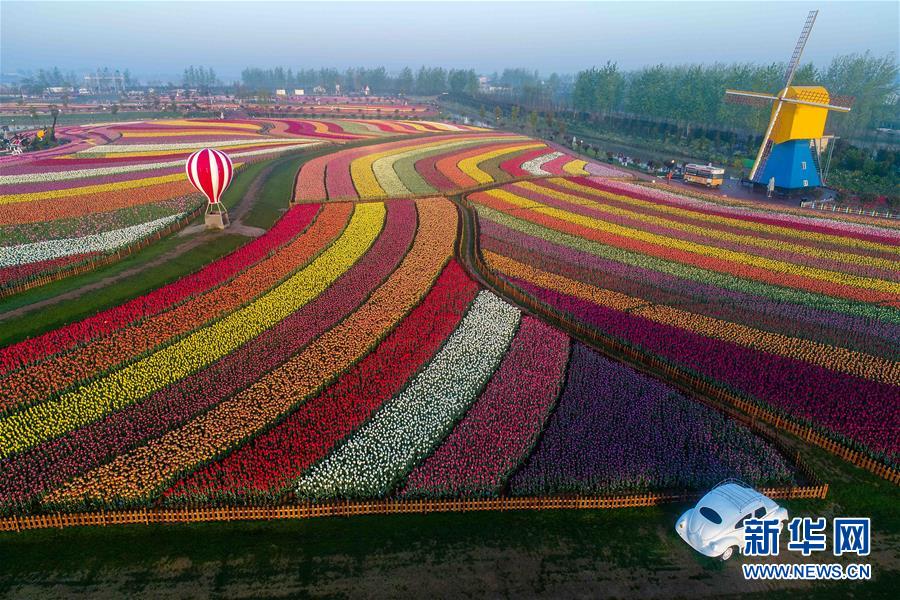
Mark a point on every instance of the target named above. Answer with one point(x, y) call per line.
point(849, 407)
point(502, 426)
point(615, 430)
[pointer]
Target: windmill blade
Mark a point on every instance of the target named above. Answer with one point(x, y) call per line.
point(798, 49)
point(843, 101)
point(835, 107)
point(748, 98)
point(764, 148)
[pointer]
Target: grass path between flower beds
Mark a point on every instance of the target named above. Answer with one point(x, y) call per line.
point(256, 199)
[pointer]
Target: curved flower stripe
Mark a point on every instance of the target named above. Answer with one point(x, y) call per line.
point(449, 165)
point(13, 275)
point(843, 406)
point(555, 166)
point(196, 123)
point(50, 464)
point(90, 402)
point(310, 184)
point(754, 212)
point(576, 167)
point(408, 426)
point(257, 149)
point(397, 172)
point(105, 352)
point(91, 189)
point(744, 222)
point(498, 432)
point(469, 166)
point(38, 348)
point(144, 470)
point(52, 209)
point(771, 271)
point(427, 169)
point(338, 177)
point(180, 133)
point(617, 431)
point(632, 218)
point(534, 165)
point(108, 241)
point(842, 220)
point(513, 166)
point(365, 179)
point(834, 328)
point(13, 235)
point(129, 148)
point(837, 359)
point(689, 272)
point(857, 257)
point(273, 460)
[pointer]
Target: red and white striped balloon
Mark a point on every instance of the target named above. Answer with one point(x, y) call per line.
point(210, 171)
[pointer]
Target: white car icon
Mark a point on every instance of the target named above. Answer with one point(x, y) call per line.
point(715, 526)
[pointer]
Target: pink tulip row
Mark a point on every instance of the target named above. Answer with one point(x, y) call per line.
point(499, 431)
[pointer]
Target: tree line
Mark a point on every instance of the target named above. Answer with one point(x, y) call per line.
point(426, 81)
point(696, 93)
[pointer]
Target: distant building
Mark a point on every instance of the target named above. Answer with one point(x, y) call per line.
point(281, 92)
point(299, 93)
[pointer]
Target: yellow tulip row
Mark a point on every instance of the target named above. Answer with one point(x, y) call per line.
point(92, 401)
point(831, 357)
point(469, 165)
point(749, 239)
point(146, 469)
point(742, 258)
point(730, 221)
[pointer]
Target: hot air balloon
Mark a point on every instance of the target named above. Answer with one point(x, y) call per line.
point(210, 171)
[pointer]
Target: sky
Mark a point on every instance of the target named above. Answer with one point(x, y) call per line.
point(159, 39)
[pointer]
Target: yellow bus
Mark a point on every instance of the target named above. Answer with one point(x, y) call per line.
point(707, 175)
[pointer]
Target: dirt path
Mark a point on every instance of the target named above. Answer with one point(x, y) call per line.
point(192, 236)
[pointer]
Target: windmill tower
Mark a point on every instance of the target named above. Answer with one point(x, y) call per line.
point(795, 138)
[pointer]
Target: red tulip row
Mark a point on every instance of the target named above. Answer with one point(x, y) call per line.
point(74, 334)
point(52, 463)
point(94, 358)
point(271, 462)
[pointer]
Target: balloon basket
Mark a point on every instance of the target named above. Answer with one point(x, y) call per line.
point(216, 216)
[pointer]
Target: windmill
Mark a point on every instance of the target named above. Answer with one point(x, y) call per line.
point(789, 156)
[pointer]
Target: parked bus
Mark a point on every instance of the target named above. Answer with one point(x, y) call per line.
point(707, 175)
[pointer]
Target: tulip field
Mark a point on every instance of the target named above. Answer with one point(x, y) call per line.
point(115, 185)
point(345, 353)
point(434, 165)
point(798, 313)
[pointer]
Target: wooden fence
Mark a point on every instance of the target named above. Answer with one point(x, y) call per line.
point(699, 388)
point(828, 205)
point(310, 510)
point(104, 260)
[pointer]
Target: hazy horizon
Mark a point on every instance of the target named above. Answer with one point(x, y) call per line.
point(157, 40)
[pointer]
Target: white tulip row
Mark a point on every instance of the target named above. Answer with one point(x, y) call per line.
point(411, 424)
point(115, 148)
point(105, 171)
point(102, 242)
point(533, 166)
